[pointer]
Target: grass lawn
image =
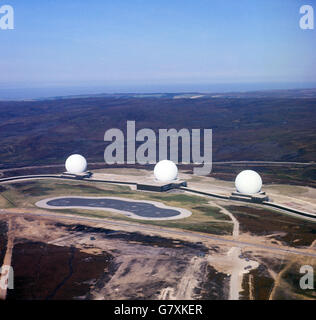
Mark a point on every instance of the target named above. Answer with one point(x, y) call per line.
point(205, 218)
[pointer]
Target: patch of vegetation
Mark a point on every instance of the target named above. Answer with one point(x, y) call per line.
point(215, 287)
point(182, 198)
point(292, 277)
point(3, 240)
point(5, 203)
point(309, 173)
point(276, 129)
point(281, 174)
point(204, 218)
point(290, 230)
point(218, 228)
point(212, 213)
point(259, 282)
point(36, 276)
point(193, 223)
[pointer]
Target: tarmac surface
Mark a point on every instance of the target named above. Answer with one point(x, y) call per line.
point(136, 209)
point(141, 209)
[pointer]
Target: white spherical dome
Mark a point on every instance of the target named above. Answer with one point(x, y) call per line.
point(76, 164)
point(165, 170)
point(249, 182)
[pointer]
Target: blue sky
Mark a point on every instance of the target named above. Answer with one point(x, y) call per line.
point(126, 43)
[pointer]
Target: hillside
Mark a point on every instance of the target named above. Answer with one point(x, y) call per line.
point(46, 132)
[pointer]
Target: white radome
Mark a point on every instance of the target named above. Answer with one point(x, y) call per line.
point(248, 182)
point(165, 171)
point(76, 164)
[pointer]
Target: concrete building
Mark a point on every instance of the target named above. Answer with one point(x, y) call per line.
point(159, 186)
point(79, 176)
point(256, 198)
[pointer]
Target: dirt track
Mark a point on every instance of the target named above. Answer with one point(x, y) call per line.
point(147, 263)
point(4, 276)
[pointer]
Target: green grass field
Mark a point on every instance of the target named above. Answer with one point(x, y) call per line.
point(204, 218)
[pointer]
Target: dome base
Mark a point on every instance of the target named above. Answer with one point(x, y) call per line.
point(256, 198)
point(159, 186)
point(78, 176)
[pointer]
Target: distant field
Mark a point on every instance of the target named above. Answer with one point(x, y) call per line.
point(289, 175)
point(263, 222)
point(270, 129)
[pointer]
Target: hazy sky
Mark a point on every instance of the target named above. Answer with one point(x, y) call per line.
point(150, 42)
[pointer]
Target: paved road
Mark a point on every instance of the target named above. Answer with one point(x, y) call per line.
point(169, 231)
point(32, 177)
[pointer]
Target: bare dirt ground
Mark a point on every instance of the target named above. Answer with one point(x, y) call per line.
point(126, 264)
point(141, 265)
point(237, 264)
